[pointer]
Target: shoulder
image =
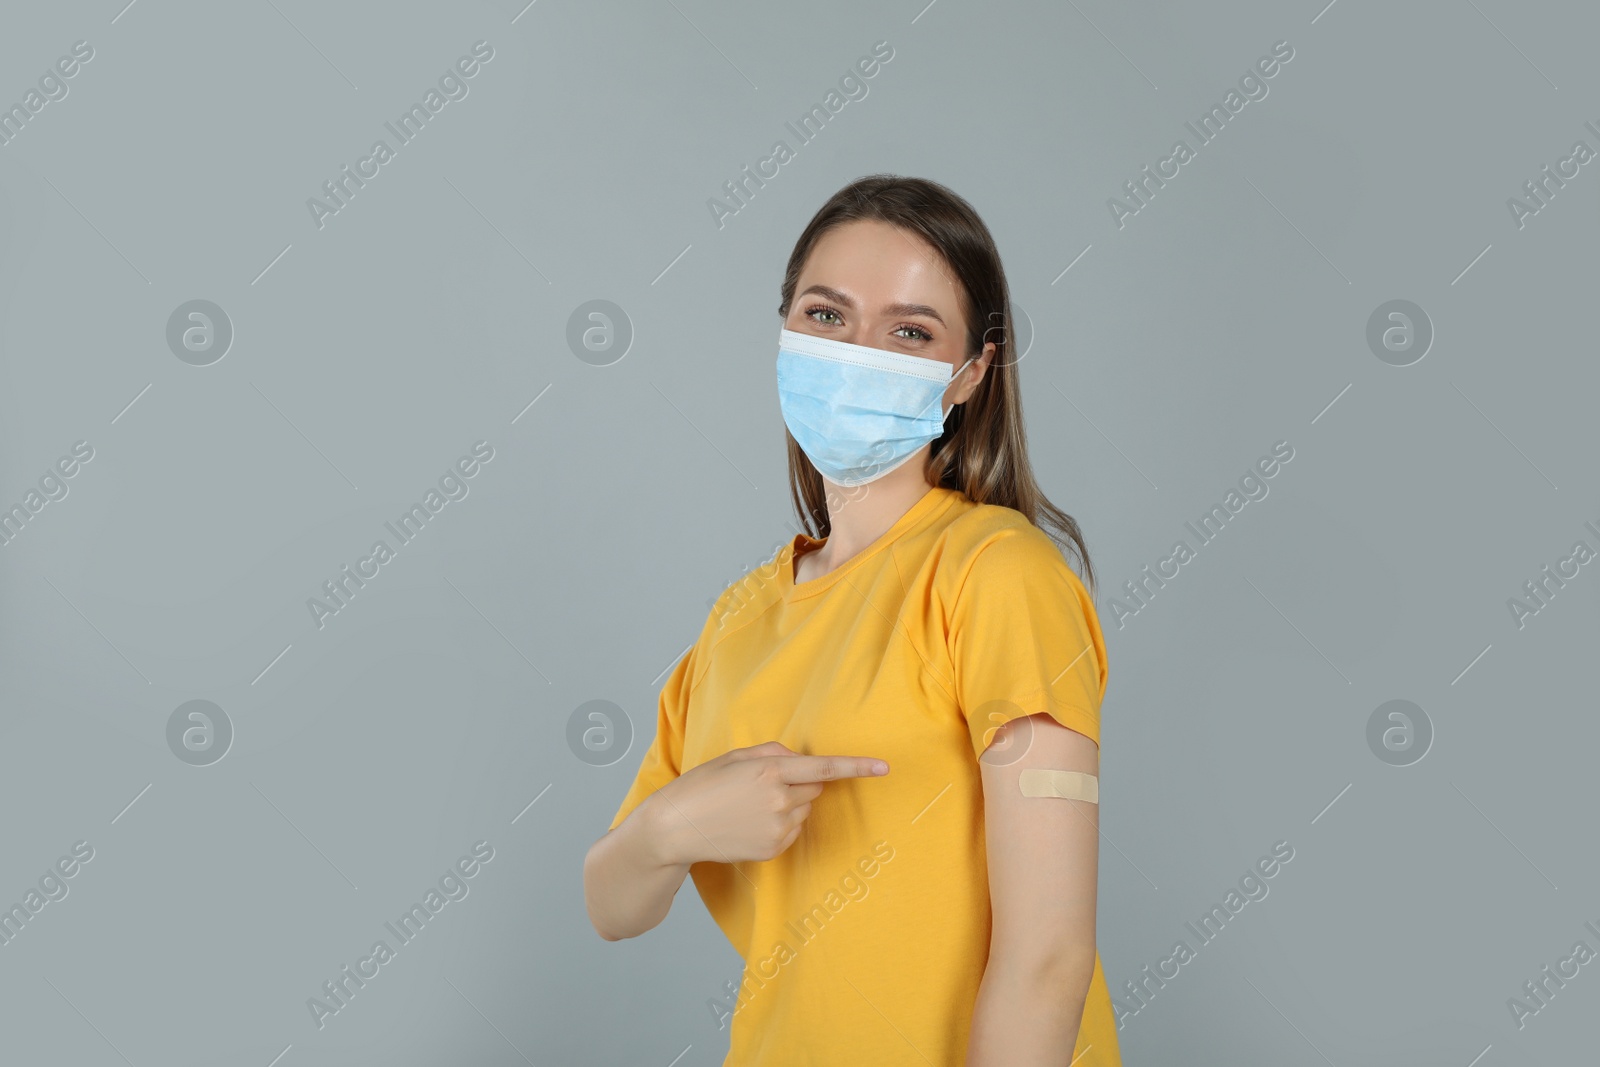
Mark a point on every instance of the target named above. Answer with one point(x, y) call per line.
point(998, 546)
point(740, 603)
point(757, 589)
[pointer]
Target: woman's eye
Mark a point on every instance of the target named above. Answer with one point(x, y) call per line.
point(828, 317)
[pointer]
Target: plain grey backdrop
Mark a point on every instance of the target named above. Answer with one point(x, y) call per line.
point(234, 456)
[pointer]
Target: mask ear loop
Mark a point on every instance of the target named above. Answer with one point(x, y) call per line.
point(953, 377)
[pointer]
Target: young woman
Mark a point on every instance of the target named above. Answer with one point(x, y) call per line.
point(838, 759)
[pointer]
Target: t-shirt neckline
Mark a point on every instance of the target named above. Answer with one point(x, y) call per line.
point(924, 507)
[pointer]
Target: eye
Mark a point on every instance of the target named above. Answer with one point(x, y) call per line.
point(919, 334)
point(826, 310)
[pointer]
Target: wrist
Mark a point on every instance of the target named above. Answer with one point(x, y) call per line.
point(662, 832)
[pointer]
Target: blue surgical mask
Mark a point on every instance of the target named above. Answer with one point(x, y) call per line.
point(858, 412)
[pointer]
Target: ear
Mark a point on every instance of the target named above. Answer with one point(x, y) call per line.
point(973, 375)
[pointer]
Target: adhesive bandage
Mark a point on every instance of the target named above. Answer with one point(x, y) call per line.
point(1070, 785)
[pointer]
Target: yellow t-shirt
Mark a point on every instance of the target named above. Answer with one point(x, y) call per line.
point(865, 940)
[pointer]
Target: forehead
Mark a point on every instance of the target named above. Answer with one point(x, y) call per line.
point(878, 263)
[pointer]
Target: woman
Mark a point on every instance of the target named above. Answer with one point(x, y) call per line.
point(930, 913)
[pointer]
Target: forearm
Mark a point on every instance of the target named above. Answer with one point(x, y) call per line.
point(628, 885)
point(1028, 1012)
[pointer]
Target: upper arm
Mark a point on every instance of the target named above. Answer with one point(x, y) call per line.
point(1030, 670)
point(1043, 851)
point(663, 759)
point(1025, 638)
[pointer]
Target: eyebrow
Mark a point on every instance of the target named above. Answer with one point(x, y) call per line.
point(894, 309)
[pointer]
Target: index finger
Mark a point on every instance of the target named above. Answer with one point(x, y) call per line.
point(796, 769)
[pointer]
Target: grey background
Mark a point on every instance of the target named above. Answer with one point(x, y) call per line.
point(368, 355)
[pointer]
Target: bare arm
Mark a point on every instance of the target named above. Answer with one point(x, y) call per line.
point(1043, 854)
point(628, 884)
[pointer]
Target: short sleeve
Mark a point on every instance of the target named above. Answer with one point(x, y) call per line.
point(663, 760)
point(1025, 638)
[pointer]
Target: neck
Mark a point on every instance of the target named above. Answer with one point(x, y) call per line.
point(859, 516)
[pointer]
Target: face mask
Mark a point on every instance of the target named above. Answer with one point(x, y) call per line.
point(858, 412)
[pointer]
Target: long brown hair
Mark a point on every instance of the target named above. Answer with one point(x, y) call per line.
point(983, 451)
